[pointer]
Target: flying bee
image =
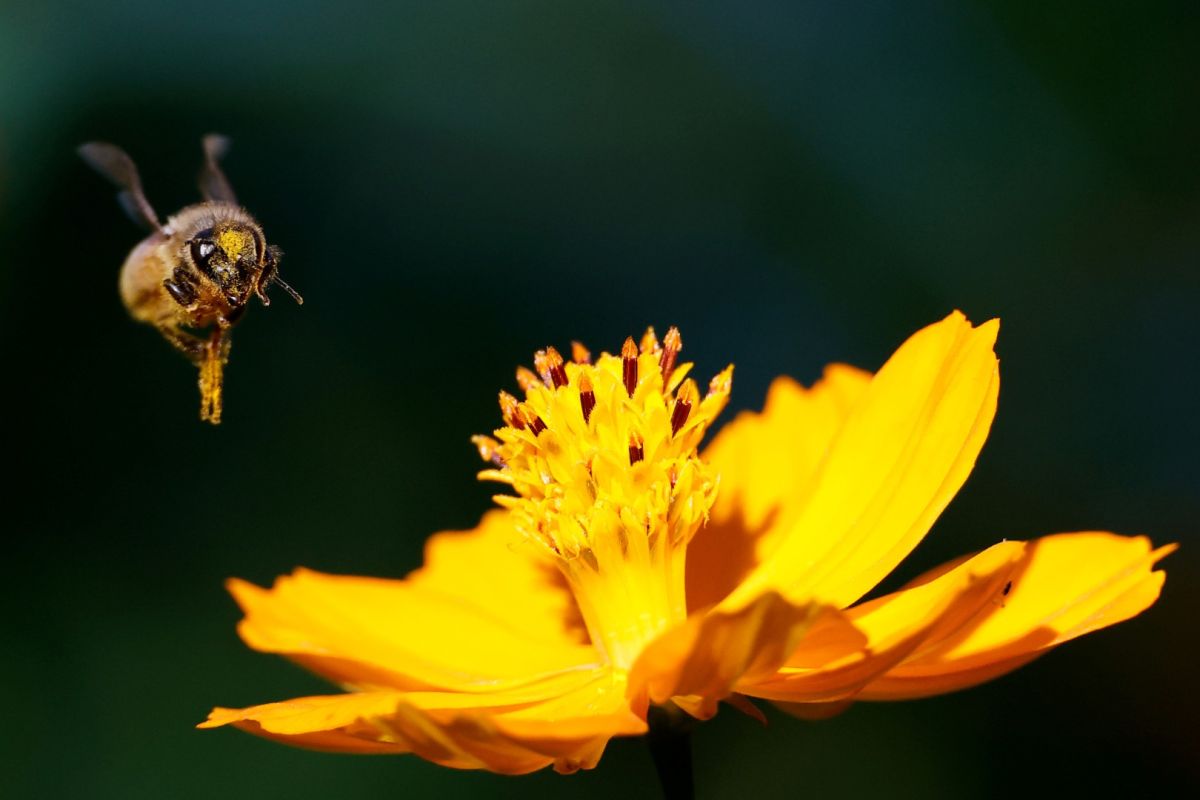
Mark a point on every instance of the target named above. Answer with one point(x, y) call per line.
point(192, 277)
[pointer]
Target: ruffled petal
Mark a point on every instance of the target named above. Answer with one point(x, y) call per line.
point(846, 650)
point(698, 663)
point(1061, 587)
point(443, 627)
point(903, 452)
point(565, 721)
point(766, 462)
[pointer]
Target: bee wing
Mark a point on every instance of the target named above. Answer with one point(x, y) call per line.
point(115, 164)
point(214, 186)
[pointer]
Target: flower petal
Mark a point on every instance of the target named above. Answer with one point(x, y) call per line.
point(846, 650)
point(903, 452)
point(766, 462)
point(698, 662)
point(1062, 587)
point(438, 628)
point(565, 721)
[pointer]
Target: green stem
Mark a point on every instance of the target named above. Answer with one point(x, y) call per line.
point(670, 741)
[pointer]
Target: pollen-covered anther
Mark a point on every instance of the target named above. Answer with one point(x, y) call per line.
point(629, 365)
point(637, 450)
point(649, 343)
point(489, 449)
point(587, 397)
point(672, 344)
point(580, 354)
point(549, 365)
point(688, 393)
point(509, 407)
point(526, 379)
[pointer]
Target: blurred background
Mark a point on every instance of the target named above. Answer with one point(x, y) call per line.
point(457, 184)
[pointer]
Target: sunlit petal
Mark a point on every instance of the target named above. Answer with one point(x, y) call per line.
point(766, 462)
point(905, 449)
point(1063, 586)
point(440, 628)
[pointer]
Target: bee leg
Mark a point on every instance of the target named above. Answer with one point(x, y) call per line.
point(189, 344)
point(212, 378)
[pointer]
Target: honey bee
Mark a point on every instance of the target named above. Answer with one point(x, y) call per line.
point(192, 277)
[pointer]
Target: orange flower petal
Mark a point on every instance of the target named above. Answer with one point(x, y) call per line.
point(1062, 587)
point(565, 722)
point(439, 628)
point(846, 650)
point(903, 452)
point(698, 662)
point(766, 462)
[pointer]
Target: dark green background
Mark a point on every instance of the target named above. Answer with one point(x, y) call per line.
point(457, 184)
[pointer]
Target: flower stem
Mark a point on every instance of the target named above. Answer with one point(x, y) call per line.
point(670, 741)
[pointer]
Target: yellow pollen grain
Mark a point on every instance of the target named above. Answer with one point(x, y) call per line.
point(233, 242)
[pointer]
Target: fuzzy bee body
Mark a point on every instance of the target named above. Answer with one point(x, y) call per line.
point(192, 278)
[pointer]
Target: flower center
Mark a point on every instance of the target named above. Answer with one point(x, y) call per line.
point(602, 456)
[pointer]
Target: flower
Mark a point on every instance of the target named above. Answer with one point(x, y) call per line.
point(627, 568)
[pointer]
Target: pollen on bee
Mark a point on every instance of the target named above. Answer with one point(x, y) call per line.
point(233, 241)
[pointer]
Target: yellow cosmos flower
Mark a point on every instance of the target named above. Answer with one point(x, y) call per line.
point(629, 569)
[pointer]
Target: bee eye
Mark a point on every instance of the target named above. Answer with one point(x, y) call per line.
point(201, 250)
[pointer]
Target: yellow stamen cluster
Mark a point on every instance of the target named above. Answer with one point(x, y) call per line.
point(603, 459)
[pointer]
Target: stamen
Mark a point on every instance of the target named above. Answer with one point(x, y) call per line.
point(629, 365)
point(527, 380)
point(649, 341)
point(587, 397)
point(683, 405)
point(534, 422)
point(580, 354)
point(672, 344)
point(636, 451)
point(488, 449)
point(721, 383)
point(508, 409)
point(553, 363)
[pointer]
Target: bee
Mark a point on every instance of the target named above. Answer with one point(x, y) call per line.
point(192, 278)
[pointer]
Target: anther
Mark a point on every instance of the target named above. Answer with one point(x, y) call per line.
point(636, 451)
point(509, 407)
point(587, 397)
point(489, 449)
point(527, 380)
point(672, 344)
point(550, 364)
point(534, 422)
point(629, 359)
point(580, 354)
point(649, 341)
point(683, 405)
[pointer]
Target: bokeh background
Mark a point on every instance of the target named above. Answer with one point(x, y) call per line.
point(456, 184)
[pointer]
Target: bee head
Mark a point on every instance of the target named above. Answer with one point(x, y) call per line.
point(232, 254)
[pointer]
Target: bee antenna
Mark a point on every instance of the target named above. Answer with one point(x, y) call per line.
point(292, 292)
